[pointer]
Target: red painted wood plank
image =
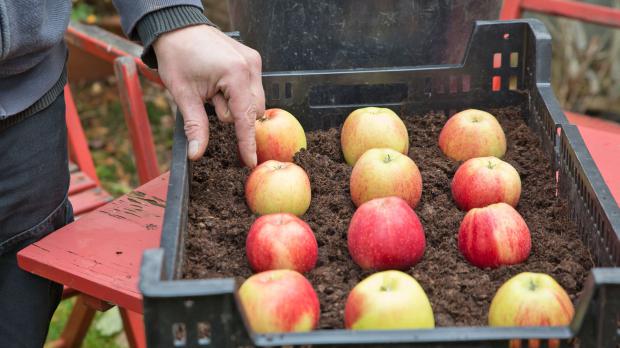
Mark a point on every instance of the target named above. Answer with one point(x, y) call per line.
point(605, 150)
point(107, 46)
point(578, 10)
point(593, 122)
point(80, 182)
point(89, 200)
point(100, 254)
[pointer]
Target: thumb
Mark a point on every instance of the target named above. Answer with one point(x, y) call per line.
point(196, 125)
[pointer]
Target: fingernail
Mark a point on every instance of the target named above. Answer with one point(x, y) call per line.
point(193, 148)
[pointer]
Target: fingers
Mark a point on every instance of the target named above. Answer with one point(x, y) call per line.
point(241, 103)
point(196, 125)
point(221, 108)
point(254, 63)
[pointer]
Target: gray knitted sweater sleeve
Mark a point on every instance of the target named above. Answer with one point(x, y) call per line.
point(144, 21)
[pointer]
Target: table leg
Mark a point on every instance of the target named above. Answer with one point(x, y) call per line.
point(80, 319)
point(134, 328)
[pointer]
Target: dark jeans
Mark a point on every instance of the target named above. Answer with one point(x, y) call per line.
point(34, 181)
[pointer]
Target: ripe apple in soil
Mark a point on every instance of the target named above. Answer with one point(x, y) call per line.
point(472, 133)
point(383, 172)
point(278, 187)
point(531, 299)
point(279, 301)
point(493, 236)
point(385, 233)
point(485, 180)
point(388, 300)
point(371, 127)
point(279, 136)
point(281, 241)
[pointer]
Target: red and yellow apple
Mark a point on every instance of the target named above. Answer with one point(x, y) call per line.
point(482, 181)
point(472, 133)
point(278, 187)
point(388, 300)
point(279, 301)
point(385, 233)
point(281, 241)
point(531, 299)
point(493, 236)
point(383, 172)
point(279, 136)
point(371, 127)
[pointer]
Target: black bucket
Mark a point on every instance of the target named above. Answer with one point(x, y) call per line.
point(343, 34)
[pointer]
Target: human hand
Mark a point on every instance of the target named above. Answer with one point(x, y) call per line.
point(199, 64)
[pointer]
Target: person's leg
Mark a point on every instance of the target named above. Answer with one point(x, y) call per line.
point(34, 180)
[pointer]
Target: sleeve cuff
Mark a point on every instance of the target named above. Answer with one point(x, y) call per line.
point(162, 21)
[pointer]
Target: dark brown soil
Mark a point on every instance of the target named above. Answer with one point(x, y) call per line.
point(460, 293)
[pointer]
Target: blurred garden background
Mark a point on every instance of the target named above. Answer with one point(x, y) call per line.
point(585, 77)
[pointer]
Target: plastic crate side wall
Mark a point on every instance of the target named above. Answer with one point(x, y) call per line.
point(598, 311)
point(591, 204)
point(175, 213)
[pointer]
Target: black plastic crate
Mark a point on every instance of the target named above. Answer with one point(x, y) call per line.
point(206, 313)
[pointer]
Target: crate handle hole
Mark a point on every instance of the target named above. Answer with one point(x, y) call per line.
point(496, 83)
point(275, 91)
point(428, 85)
point(203, 328)
point(512, 83)
point(453, 84)
point(288, 90)
point(466, 83)
point(514, 59)
point(497, 60)
point(439, 88)
point(179, 335)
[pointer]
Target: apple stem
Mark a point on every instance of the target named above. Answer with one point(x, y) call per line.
point(532, 285)
point(387, 158)
point(491, 165)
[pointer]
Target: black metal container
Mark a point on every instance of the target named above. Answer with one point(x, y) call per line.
point(206, 313)
point(343, 34)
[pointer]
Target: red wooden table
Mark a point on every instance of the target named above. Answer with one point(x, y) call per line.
point(100, 254)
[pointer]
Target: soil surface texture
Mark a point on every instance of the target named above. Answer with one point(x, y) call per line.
point(460, 294)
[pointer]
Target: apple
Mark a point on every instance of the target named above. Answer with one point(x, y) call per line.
point(388, 300)
point(485, 180)
point(279, 301)
point(281, 241)
point(472, 133)
point(383, 172)
point(385, 233)
point(279, 136)
point(278, 187)
point(493, 236)
point(371, 127)
point(531, 299)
